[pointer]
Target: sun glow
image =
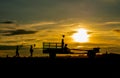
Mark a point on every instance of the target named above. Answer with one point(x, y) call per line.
point(81, 36)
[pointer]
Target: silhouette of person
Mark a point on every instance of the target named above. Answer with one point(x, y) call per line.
point(62, 43)
point(31, 51)
point(17, 52)
point(91, 54)
point(66, 49)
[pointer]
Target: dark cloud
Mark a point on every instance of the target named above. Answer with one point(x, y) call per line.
point(7, 22)
point(9, 41)
point(6, 47)
point(117, 30)
point(72, 32)
point(18, 32)
point(29, 40)
point(90, 32)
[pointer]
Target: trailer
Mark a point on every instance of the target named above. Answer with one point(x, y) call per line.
point(53, 48)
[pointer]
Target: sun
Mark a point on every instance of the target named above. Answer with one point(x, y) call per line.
point(81, 35)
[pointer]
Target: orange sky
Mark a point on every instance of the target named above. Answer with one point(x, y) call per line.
point(24, 22)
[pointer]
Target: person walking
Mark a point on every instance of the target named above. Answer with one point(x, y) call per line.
point(17, 51)
point(31, 51)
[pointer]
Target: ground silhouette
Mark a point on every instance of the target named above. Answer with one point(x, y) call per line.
point(105, 66)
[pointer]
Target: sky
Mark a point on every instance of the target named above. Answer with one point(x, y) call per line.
point(26, 22)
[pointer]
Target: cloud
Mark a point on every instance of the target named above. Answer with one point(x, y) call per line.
point(6, 47)
point(7, 22)
point(114, 22)
point(104, 26)
point(117, 30)
point(90, 32)
point(18, 32)
point(39, 24)
point(72, 32)
point(8, 25)
point(11, 25)
point(108, 23)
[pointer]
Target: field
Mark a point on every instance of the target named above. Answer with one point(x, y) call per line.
point(106, 65)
